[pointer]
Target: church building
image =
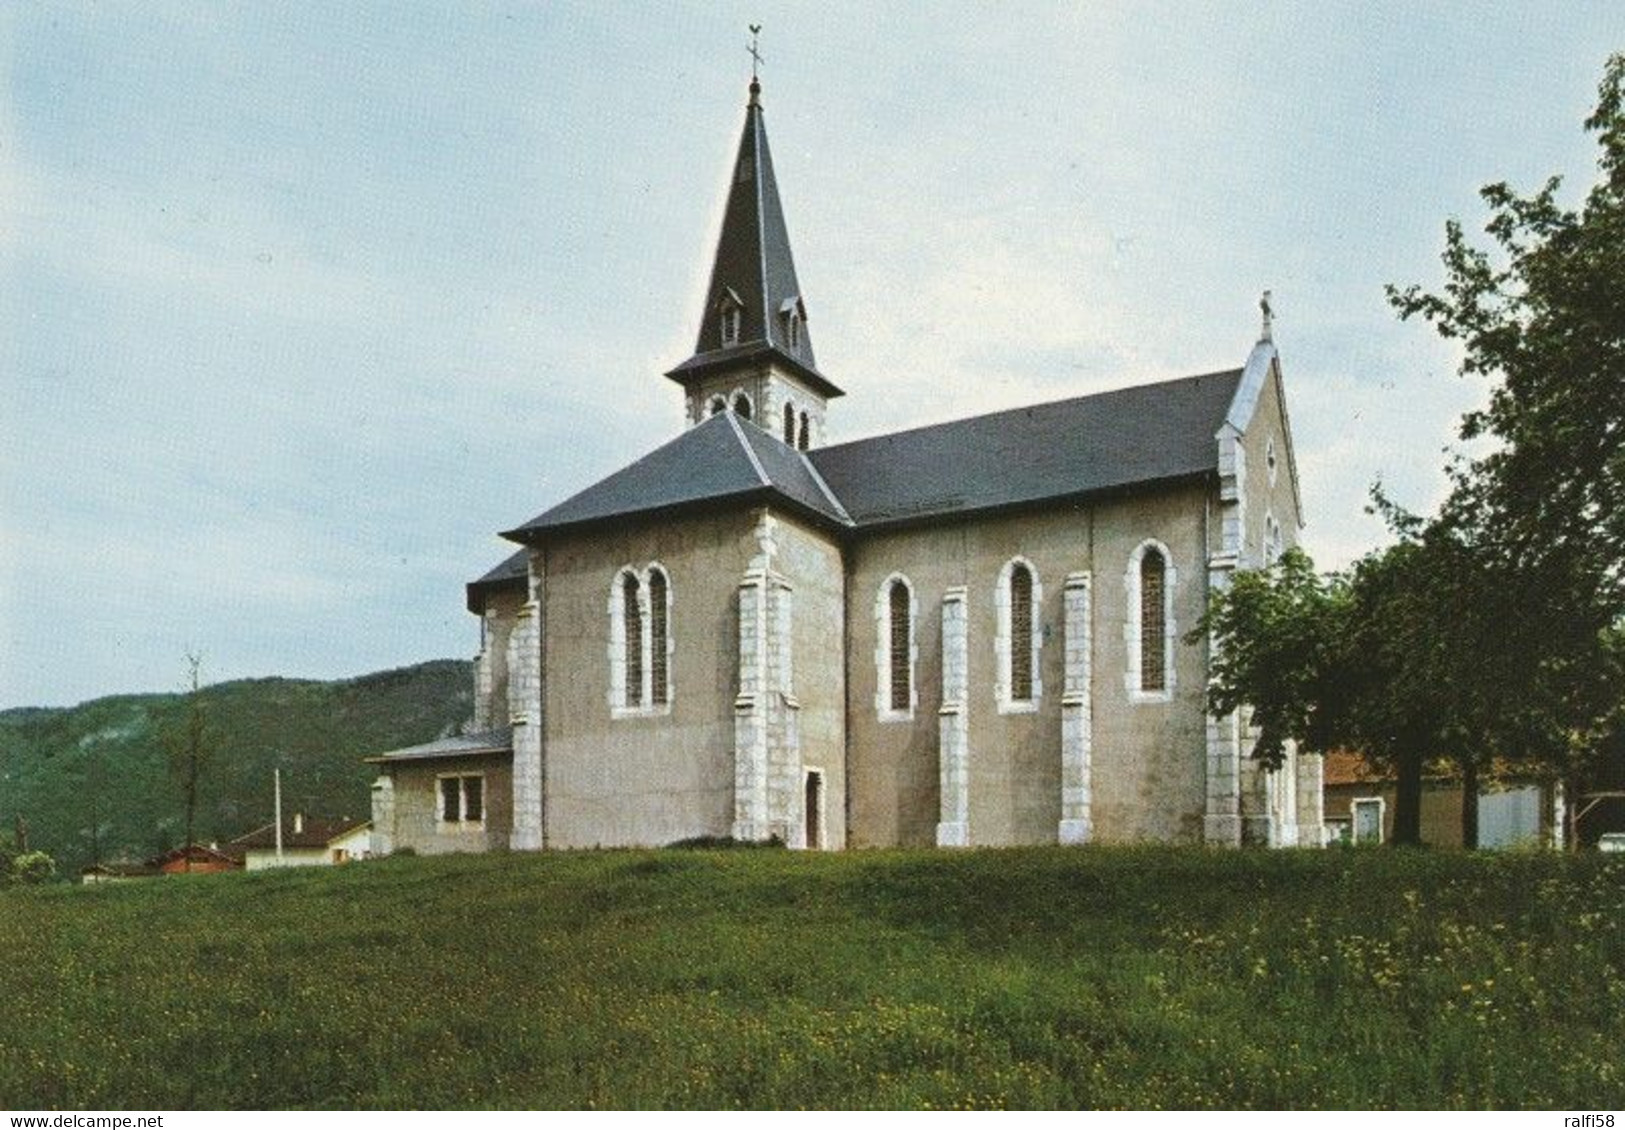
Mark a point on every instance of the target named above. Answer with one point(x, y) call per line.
point(968, 634)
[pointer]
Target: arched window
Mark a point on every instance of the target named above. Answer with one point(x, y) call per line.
point(659, 683)
point(632, 618)
point(717, 405)
point(1021, 634)
point(804, 433)
point(901, 644)
point(795, 331)
point(1150, 630)
point(790, 424)
point(1153, 622)
point(742, 406)
point(640, 642)
point(1272, 540)
point(1017, 599)
point(895, 650)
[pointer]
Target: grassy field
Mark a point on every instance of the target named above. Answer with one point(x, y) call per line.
point(1030, 978)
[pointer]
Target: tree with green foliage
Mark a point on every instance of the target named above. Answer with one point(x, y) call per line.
point(1490, 635)
point(1367, 660)
point(1542, 315)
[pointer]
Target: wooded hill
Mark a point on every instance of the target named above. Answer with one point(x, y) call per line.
point(94, 779)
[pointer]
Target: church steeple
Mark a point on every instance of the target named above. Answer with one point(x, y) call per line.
point(753, 326)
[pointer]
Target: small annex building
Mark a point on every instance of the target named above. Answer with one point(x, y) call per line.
point(973, 633)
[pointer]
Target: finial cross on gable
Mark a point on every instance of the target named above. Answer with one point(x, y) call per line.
point(756, 59)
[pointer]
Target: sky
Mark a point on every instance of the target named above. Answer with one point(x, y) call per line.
point(300, 303)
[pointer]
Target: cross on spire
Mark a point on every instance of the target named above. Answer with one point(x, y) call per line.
point(756, 59)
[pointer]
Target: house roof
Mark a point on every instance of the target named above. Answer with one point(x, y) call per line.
point(314, 832)
point(1341, 767)
point(1067, 448)
point(721, 459)
point(754, 271)
point(197, 853)
point(481, 744)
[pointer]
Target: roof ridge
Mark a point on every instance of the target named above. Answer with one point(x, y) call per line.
point(750, 452)
point(823, 486)
point(1019, 409)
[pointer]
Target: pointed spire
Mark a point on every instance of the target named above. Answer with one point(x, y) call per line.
point(754, 305)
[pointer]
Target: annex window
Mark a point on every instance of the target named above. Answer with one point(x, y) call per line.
point(1019, 637)
point(805, 434)
point(895, 695)
point(790, 424)
point(1150, 631)
point(462, 799)
point(659, 683)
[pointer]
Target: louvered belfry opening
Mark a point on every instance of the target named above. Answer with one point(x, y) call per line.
point(1021, 634)
point(901, 691)
point(1153, 622)
point(633, 617)
point(658, 692)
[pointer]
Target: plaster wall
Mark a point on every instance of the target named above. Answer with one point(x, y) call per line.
point(664, 774)
point(417, 806)
point(1148, 757)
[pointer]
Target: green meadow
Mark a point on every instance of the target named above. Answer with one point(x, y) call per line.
point(1023, 978)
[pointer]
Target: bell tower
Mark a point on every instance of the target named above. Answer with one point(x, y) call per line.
point(753, 355)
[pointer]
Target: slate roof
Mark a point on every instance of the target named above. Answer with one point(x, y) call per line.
point(513, 572)
point(481, 744)
point(721, 459)
point(1067, 448)
point(315, 833)
point(755, 268)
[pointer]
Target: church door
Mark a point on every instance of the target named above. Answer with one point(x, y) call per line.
point(814, 812)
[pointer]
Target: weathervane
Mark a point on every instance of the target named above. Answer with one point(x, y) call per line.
point(1264, 334)
point(756, 59)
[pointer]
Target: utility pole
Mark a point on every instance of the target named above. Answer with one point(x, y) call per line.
point(278, 778)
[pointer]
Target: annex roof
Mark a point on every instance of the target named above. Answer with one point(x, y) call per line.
point(481, 744)
point(512, 573)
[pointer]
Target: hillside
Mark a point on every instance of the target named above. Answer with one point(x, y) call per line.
point(1046, 977)
point(103, 762)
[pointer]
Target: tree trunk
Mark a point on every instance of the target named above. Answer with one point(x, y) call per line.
point(1408, 802)
point(1469, 805)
